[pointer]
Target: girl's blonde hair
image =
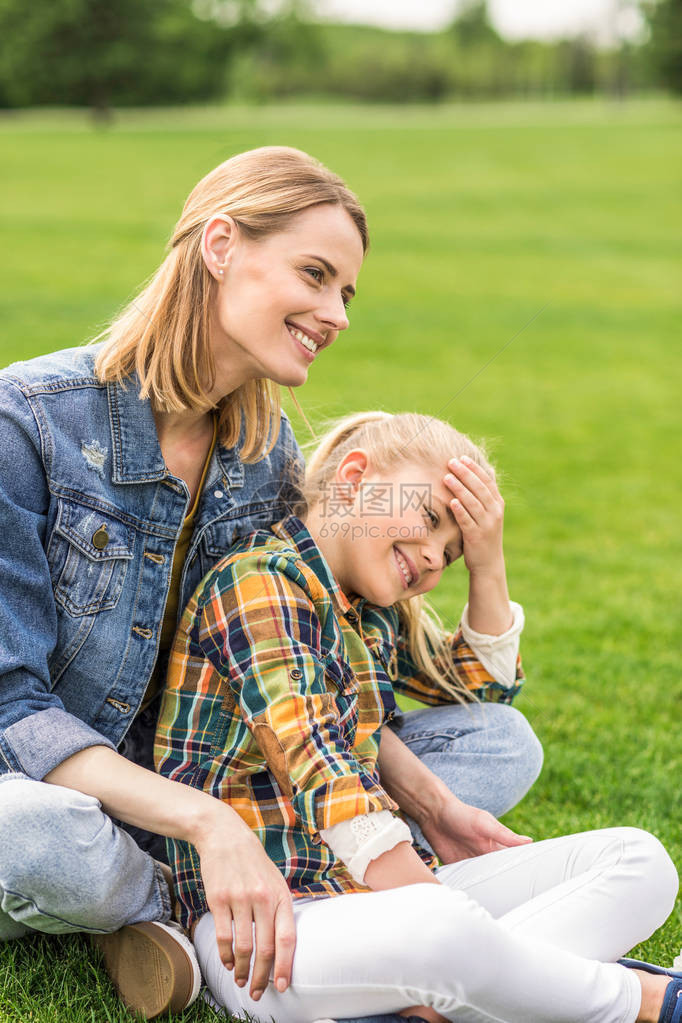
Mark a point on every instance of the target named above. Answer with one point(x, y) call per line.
point(390, 442)
point(163, 334)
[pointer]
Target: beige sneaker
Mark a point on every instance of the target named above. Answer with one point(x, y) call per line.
point(153, 967)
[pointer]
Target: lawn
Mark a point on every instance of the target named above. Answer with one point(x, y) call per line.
point(523, 281)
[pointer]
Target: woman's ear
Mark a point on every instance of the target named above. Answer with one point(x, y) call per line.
point(217, 242)
point(351, 469)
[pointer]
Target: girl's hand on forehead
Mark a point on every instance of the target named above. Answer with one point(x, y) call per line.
point(478, 508)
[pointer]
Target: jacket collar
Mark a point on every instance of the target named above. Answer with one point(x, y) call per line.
point(137, 456)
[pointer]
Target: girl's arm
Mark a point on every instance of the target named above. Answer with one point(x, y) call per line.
point(485, 647)
point(455, 830)
point(377, 848)
point(248, 653)
point(242, 884)
point(398, 867)
point(478, 508)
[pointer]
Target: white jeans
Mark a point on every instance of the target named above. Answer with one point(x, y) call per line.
point(525, 935)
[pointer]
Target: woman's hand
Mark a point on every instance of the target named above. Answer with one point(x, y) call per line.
point(249, 900)
point(457, 831)
point(479, 512)
point(245, 891)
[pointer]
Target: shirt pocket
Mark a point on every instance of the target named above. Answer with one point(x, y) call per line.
point(88, 552)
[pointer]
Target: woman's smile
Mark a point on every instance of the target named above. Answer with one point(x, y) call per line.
point(307, 338)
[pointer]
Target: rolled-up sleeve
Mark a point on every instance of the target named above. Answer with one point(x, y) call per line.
point(260, 628)
point(36, 732)
point(472, 672)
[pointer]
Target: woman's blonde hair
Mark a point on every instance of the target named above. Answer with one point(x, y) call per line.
point(392, 441)
point(163, 334)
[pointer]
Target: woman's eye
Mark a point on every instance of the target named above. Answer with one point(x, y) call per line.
point(315, 273)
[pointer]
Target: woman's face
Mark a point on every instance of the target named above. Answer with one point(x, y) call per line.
point(281, 300)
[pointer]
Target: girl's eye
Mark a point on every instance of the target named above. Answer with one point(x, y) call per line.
point(448, 559)
point(433, 518)
point(315, 273)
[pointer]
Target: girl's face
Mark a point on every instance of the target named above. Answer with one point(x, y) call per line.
point(283, 299)
point(396, 537)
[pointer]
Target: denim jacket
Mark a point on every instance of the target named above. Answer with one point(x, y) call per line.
point(89, 517)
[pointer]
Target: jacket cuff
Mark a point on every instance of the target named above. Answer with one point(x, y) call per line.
point(41, 741)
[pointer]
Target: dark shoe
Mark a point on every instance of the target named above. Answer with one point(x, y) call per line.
point(153, 967)
point(638, 964)
point(672, 1003)
point(671, 1012)
point(391, 1017)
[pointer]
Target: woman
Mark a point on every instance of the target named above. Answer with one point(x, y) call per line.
point(127, 470)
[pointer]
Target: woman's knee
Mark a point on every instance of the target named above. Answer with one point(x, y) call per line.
point(64, 865)
point(42, 823)
point(517, 751)
point(521, 743)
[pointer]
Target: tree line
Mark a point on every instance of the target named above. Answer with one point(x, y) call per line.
point(104, 53)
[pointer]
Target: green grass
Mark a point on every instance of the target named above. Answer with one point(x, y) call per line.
point(523, 281)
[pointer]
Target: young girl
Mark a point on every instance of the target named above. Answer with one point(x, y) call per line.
point(281, 676)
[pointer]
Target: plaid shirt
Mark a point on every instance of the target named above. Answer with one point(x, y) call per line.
point(277, 689)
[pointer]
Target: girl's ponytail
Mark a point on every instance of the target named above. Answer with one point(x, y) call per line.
point(322, 460)
point(423, 633)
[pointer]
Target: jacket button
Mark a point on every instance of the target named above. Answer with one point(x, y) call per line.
point(296, 673)
point(100, 538)
point(118, 704)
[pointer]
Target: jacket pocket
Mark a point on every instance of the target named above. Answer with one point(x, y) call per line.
point(88, 554)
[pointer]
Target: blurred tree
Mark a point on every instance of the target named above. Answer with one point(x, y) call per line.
point(102, 52)
point(576, 65)
point(286, 55)
point(390, 67)
point(472, 25)
point(479, 52)
point(664, 19)
point(122, 52)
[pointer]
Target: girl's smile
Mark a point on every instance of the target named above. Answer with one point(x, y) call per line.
point(407, 569)
point(394, 535)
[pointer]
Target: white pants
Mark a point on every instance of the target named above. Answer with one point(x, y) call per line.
point(524, 935)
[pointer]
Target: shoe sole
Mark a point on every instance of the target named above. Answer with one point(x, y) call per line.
point(151, 974)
